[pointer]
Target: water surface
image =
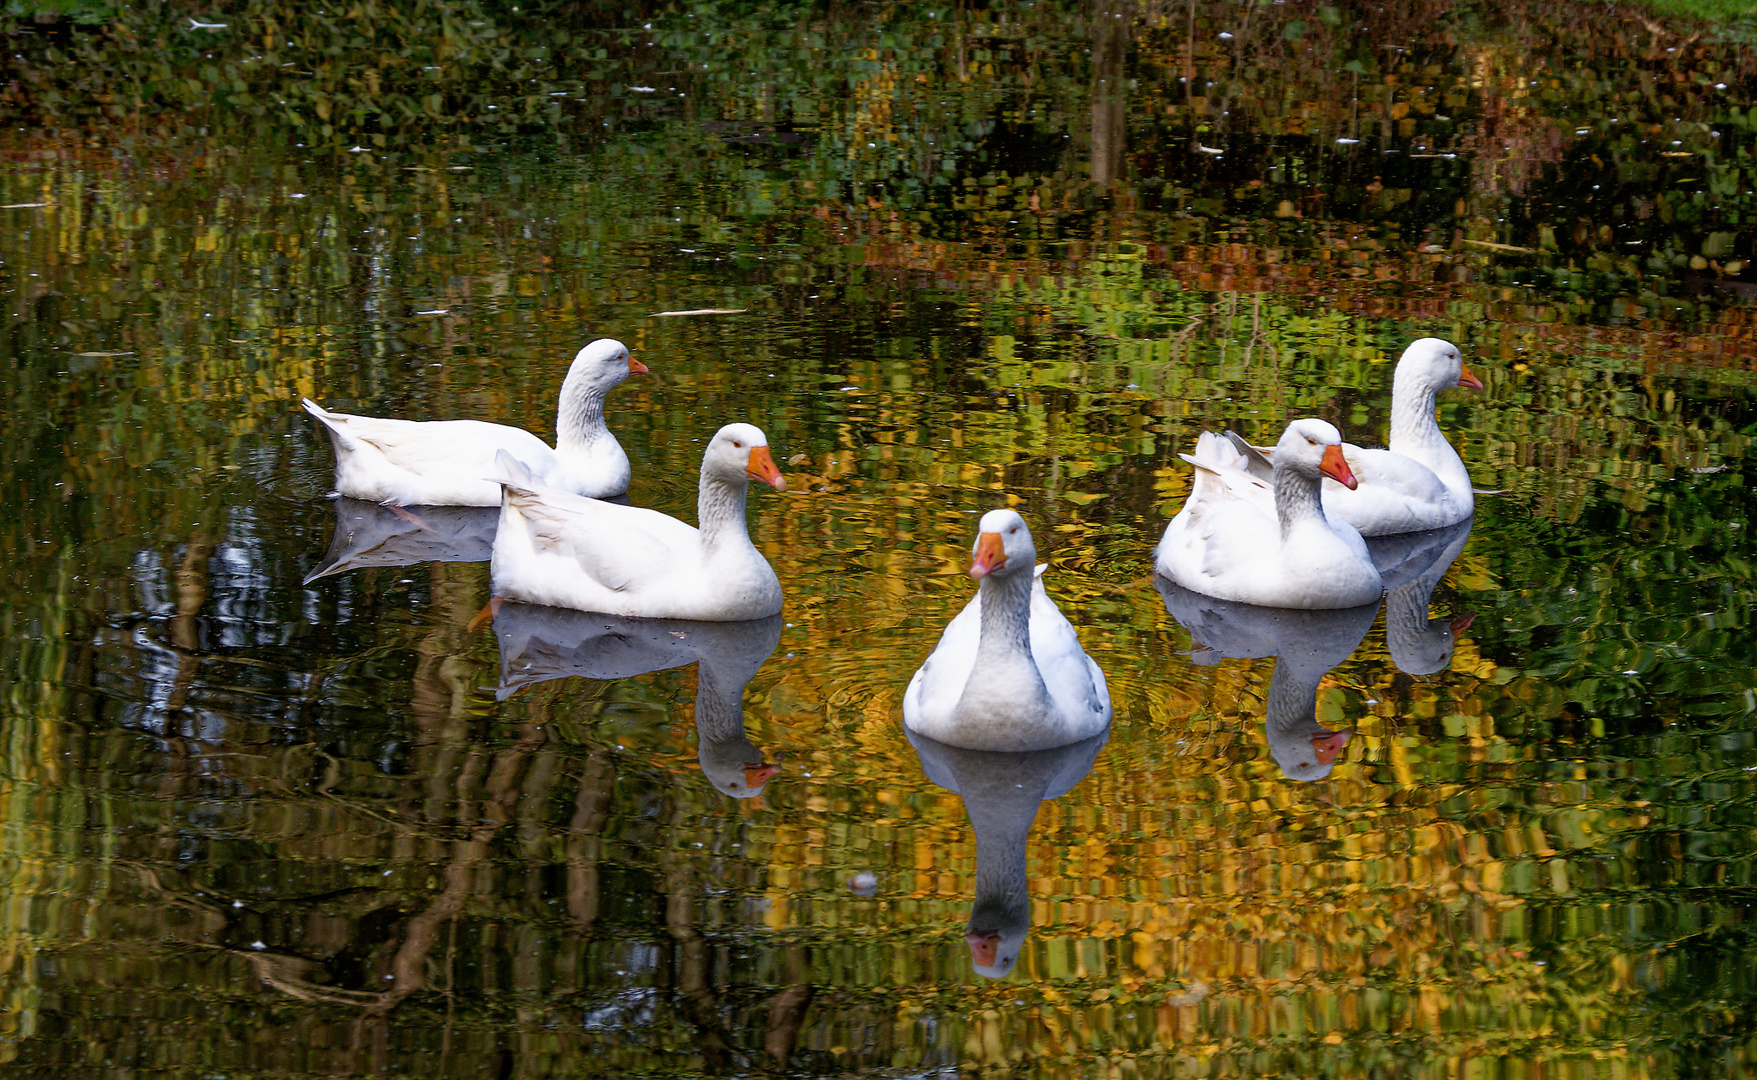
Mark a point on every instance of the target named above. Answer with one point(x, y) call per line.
point(1018, 255)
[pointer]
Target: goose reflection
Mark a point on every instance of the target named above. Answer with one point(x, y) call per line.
point(1412, 565)
point(373, 534)
point(369, 534)
point(539, 643)
point(1001, 792)
point(1307, 644)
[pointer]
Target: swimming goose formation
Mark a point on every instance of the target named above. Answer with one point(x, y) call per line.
point(450, 462)
point(1008, 674)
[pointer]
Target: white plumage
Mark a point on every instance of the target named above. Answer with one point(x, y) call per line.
point(1239, 537)
point(449, 462)
point(566, 551)
point(1008, 672)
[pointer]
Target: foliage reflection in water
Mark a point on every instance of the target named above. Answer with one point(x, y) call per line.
point(964, 258)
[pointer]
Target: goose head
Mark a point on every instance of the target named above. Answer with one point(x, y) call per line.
point(1003, 545)
point(1436, 363)
point(995, 938)
point(737, 771)
point(1313, 447)
point(604, 363)
point(1307, 752)
point(738, 454)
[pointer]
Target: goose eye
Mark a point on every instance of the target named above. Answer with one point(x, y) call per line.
point(737, 445)
point(1311, 441)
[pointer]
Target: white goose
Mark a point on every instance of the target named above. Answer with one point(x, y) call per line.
point(566, 551)
point(1008, 673)
point(1239, 538)
point(1420, 482)
point(445, 462)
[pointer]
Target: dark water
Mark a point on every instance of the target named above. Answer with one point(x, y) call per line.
point(978, 257)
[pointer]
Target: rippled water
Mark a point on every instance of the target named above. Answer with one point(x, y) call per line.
point(261, 821)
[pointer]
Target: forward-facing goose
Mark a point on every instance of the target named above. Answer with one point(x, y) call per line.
point(1419, 482)
point(1002, 794)
point(565, 551)
point(448, 462)
point(1239, 538)
point(1008, 673)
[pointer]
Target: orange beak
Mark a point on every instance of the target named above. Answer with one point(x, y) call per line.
point(990, 555)
point(1336, 468)
point(1467, 381)
point(635, 367)
point(757, 775)
point(983, 944)
point(761, 466)
point(1328, 746)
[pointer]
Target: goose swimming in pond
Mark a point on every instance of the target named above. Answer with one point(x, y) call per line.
point(1239, 537)
point(450, 462)
point(565, 551)
point(1008, 673)
point(1419, 482)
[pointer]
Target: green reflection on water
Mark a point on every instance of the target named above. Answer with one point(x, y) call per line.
point(255, 825)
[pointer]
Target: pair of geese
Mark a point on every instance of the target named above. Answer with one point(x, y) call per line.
point(1277, 529)
point(558, 542)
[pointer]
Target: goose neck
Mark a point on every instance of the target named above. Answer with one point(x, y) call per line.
point(1006, 614)
point(1297, 497)
point(1412, 413)
point(579, 418)
point(720, 511)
